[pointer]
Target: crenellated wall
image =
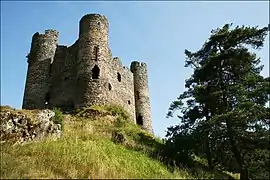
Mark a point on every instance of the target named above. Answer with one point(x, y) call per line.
point(85, 73)
point(122, 92)
point(64, 77)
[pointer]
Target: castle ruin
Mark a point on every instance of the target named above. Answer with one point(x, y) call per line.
point(85, 74)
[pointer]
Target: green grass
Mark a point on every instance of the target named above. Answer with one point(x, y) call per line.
point(79, 157)
point(86, 150)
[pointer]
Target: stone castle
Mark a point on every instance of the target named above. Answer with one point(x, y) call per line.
point(85, 74)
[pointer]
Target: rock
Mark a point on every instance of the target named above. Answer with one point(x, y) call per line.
point(18, 128)
point(118, 138)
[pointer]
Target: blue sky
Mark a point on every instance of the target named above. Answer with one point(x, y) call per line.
point(153, 32)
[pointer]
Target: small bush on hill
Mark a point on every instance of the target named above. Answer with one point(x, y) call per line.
point(58, 118)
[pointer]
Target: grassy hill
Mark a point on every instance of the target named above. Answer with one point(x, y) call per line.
point(97, 142)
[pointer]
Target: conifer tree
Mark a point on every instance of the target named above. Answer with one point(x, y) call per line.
point(226, 97)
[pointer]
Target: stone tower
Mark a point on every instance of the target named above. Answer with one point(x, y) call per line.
point(40, 61)
point(85, 74)
point(141, 92)
point(93, 58)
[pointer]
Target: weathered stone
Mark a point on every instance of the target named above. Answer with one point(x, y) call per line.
point(17, 128)
point(118, 138)
point(85, 74)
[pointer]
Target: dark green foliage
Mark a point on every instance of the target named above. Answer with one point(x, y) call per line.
point(222, 112)
point(180, 149)
point(58, 118)
point(117, 110)
point(259, 166)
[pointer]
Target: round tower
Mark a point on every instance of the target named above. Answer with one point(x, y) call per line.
point(93, 57)
point(43, 47)
point(141, 92)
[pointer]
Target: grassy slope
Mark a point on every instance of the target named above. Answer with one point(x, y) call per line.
point(86, 151)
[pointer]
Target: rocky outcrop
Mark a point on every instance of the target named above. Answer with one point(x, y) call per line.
point(18, 128)
point(118, 137)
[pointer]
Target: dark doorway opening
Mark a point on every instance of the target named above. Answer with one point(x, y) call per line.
point(47, 98)
point(95, 72)
point(139, 120)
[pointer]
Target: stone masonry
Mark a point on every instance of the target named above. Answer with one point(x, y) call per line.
point(85, 74)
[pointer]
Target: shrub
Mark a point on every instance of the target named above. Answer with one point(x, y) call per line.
point(117, 110)
point(58, 118)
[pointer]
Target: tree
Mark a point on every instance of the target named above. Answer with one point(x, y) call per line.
point(226, 94)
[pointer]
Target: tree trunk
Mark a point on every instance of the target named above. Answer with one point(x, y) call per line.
point(230, 132)
point(244, 174)
point(236, 152)
point(208, 153)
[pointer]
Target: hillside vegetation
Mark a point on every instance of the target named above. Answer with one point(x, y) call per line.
point(96, 142)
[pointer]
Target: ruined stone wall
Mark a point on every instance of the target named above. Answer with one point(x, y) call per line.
point(142, 98)
point(64, 77)
point(122, 87)
point(39, 69)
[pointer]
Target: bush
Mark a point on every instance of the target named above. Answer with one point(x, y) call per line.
point(58, 118)
point(117, 110)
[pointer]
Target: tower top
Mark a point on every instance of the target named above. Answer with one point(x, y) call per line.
point(93, 21)
point(135, 65)
point(94, 15)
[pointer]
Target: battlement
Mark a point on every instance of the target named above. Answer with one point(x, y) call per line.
point(135, 66)
point(49, 33)
point(43, 46)
point(118, 60)
point(85, 73)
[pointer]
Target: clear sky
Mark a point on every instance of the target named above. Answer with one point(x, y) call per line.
point(153, 32)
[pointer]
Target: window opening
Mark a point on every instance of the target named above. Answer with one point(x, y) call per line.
point(110, 87)
point(129, 102)
point(119, 77)
point(96, 52)
point(95, 72)
point(139, 120)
